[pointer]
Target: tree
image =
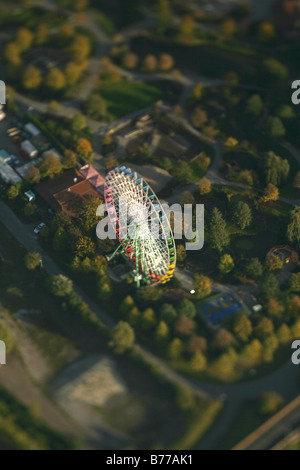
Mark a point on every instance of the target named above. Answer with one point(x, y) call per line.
point(184, 326)
point(275, 69)
point(81, 48)
point(127, 304)
point(32, 78)
point(229, 27)
point(197, 92)
point(283, 334)
point(294, 306)
point(185, 399)
point(275, 127)
point(180, 254)
point(273, 263)
point(294, 282)
point(204, 186)
point(122, 338)
point(187, 308)
point(202, 286)
point(29, 209)
point(55, 80)
point(254, 105)
point(149, 295)
point(148, 319)
point(32, 260)
point(12, 192)
point(12, 53)
point(266, 31)
point(270, 345)
point(60, 240)
point(183, 173)
point(254, 268)
point(198, 117)
point(161, 332)
point(130, 60)
point(271, 193)
point(69, 159)
point(33, 175)
point(41, 34)
point(218, 235)
point(196, 344)
point(78, 123)
point(223, 339)
point(297, 180)
point(270, 403)
point(84, 148)
point(293, 229)
point(187, 198)
point(61, 286)
point(24, 39)
point(104, 287)
point(276, 168)
point(198, 362)
point(286, 112)
point(145, 151)
point(175, 349)
point(226, 264)
point(242, 215)
point(85, 247)
point(166, 62)
point(252, 353)
point(88, 213)
point(73, 72)
point(264, 328)
point(96, 107)
point(50, 166)
point(164, 13)
point(150, 63)
point(269, 286)
point(203, 161)
point(274, 308)
point(6, 336)
point(242, 327)
point(168, 313)
point(187, 27)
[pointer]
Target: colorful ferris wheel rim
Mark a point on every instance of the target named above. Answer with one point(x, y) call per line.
point(152, 252)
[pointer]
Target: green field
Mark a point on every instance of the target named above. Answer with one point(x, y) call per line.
point(126, 97)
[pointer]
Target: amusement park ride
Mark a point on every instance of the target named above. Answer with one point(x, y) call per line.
point(152, 253)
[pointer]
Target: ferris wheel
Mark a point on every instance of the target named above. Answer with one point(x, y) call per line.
point(142, 227)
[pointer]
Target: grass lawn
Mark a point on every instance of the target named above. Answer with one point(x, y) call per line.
point(125, 97)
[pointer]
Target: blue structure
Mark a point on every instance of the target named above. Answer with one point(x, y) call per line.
point(217, 311)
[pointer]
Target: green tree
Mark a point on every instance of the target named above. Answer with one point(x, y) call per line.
point(12, 192)
point(187, 308)
point(29, 209)
point(148, 319)
point(226, 264)
point(274, 263)
point(275, 69)
point(218, 235)
point(96, 107)
point(294, 282)
point(12, 53)
point(182, 172)
point(164, 13)
point(275, 127)
point(168, 313)
point(202, 286)
point(276, 168)
point(50, 166)
point(242, 327)
point(269, 286)
point(78, 123)
point(242, 215)
point(175, 348)
point(104, 287)
point(81, 48)
point(252, 353)
point(127, 304)
point(293, 229)
point(61, 286)
point(283, 334)
point(254, 105)
point(69, 159)
point(198, 362)
point(264, 328)
point(122, 338)
point(32, 260)
point(60, 240)
point(181, 254)
point(161, 332)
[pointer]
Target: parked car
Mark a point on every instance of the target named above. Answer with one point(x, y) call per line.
point(39, 228)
